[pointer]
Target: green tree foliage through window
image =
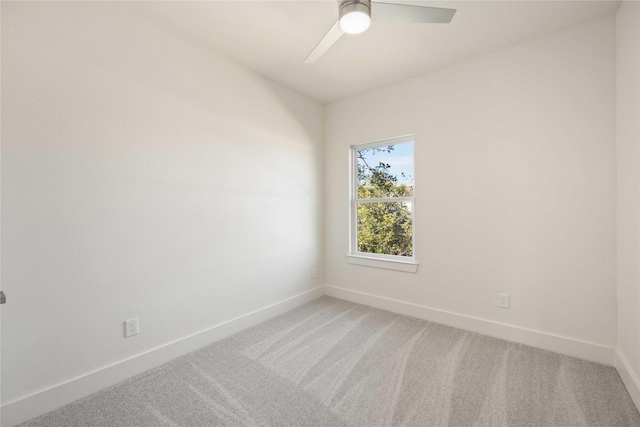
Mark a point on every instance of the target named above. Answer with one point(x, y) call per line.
point(384, 226)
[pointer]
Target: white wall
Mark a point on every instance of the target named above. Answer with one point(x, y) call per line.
point(142, 176)
point(628, 201)
point(0, 222)
point(515, 186)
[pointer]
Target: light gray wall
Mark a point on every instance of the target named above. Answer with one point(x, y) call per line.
point(515, 185)
point(628, 200)
point(142, 176)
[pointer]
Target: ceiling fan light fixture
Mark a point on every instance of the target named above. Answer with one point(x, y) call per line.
point(355, 16)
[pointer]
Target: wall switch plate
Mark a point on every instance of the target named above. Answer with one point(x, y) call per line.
point(131, 327)
point(503, 300)
point(313, 273)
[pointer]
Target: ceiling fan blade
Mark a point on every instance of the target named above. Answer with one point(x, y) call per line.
point(325, 43)
point(393, 12)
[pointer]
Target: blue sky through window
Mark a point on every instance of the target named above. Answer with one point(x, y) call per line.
point(400, 160)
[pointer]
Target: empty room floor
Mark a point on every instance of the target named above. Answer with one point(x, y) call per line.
point(335, 363)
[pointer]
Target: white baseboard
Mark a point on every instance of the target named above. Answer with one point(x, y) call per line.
point(629, 378)
point(556, 343)
point(31, 406)
point(39, 403)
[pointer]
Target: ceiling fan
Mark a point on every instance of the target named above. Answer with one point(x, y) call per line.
point(355, 17)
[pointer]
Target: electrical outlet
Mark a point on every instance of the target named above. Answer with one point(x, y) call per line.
point(313, 273)
point(503, 300)
point(131, 327)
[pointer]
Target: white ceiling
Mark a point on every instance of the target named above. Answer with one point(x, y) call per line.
point(274, 37)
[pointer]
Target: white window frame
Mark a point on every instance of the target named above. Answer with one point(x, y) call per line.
point(391, 262)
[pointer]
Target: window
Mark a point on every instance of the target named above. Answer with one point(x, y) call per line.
point(382, 205)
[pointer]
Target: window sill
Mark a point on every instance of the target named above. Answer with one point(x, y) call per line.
point(389, 264)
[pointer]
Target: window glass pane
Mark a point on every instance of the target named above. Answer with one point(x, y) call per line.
point(385, 171)
point(385, 228)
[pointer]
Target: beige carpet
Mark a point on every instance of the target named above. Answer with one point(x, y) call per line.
point(335, 363)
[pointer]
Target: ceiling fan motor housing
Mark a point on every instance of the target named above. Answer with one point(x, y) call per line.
point(348, 6)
